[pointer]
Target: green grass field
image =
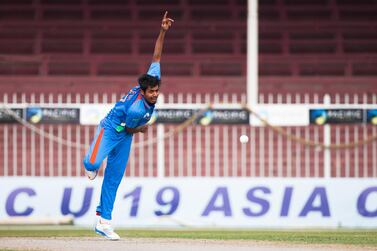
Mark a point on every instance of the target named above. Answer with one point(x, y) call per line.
point(346, 237)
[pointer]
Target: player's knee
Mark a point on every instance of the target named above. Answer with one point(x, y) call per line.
point(91, 166)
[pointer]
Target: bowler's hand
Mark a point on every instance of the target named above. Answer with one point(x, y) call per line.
point(166, 22)
point(143, 128)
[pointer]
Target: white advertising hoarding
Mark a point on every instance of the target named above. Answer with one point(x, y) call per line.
point(281, 115)
point(278, 115)
point(92, 114)
point(199, 202)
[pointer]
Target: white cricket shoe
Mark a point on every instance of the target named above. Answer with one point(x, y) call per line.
point(106, 230)
point(91, 174)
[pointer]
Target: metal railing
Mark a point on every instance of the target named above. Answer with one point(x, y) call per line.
point(196, 151)
point(270, 98)
point(213, 151)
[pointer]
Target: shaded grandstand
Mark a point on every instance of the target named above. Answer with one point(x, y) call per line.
point(77, 46)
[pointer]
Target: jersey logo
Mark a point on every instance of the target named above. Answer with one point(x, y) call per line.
point(147, 116)
point(128, 96)
point(120, 127)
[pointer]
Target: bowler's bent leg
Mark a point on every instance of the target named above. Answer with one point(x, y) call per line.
point(99, 149)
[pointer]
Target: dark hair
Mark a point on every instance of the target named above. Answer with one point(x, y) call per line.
point(146, 81)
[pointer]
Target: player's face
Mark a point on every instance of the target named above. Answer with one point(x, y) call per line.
point(151, 94)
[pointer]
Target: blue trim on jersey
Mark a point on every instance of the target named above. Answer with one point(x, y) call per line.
point(130, 111)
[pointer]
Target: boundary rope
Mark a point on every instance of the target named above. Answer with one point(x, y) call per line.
point(189, 121)
point(67, 143)
point(306, 142)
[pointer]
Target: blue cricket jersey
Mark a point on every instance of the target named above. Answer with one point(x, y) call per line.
point(132, 110)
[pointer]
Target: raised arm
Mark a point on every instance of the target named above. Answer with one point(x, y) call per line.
point(165, 25)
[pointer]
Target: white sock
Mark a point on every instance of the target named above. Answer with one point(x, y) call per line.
point(104, 221)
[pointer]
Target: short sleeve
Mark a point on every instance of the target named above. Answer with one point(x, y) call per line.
point(154, 70)
point(133, 118)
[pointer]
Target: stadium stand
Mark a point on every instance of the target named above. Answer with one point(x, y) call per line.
point(73, 43)
point(78, 47)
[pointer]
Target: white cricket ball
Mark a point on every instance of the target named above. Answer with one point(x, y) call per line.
point(244, 139)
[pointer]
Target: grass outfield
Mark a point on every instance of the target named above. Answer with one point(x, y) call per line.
point(348, 237)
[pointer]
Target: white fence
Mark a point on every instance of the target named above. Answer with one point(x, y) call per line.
point(212, 151)
point(296, 98)
point(197, 151)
